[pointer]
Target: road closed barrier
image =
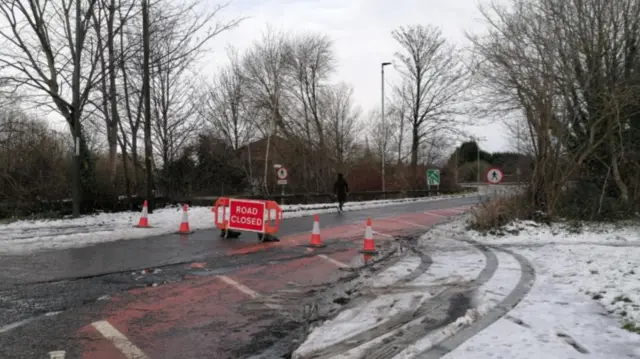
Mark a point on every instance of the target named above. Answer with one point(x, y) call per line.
point(235, 215)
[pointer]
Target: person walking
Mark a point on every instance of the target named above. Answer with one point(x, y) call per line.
point(341, 190)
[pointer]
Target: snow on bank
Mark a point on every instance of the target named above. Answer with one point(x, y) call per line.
point(601, 261)
point(587, 288)
point(532, 233)
point(28, 236)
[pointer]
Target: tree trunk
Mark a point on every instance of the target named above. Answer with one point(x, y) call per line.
point(266, 164)
point(74, 119)
point(135, 162)
point(134, 124)
point(400, 139)
point(415, 146)
point(88, 184)
point(146, 85)
point(112, 126)
point(622, 187)
point(125, 171)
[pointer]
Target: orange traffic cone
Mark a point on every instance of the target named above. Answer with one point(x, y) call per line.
point(366, 257)
point(369, 245)
point(184, 225)
point(144, 218)
point(316, 241)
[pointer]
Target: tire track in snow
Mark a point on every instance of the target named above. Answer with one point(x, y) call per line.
point(527, 278)
point(438, 303)
point(437, 312)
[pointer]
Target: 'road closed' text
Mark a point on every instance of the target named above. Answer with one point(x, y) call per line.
point(247, 215)
point(251, 221)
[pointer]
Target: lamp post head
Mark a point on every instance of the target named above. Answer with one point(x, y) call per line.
point(385, 64)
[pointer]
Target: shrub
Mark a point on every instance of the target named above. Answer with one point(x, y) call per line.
point(498, 212)
point(586, 201)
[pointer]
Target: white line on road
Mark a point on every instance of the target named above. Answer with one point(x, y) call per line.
point(57, 354)
point(336, 262)
point(119, 340)
point(14, 325)
point(246, 290)
point(20, 323)
point(411, 223)
point(434, 214)
point(239, 286)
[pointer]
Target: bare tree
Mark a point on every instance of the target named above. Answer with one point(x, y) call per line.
point(570, 69)
point(180, 33)
point(175, 118)
point(226, 107)
point(398, 115)
point(433, 149)
point(113, 15)
point(381, 134)
point(44, 44)
point(343, 126)
point(433, 78)
point(265, 69)
point(34, 162)
point(131, 102)
point(310, 62)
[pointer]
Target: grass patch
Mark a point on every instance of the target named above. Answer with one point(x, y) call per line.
point(622, 298)
point(633, 328)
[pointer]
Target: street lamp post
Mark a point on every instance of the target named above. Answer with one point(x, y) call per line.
point(384, 128)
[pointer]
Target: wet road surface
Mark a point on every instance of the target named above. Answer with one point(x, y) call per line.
point(201, 297)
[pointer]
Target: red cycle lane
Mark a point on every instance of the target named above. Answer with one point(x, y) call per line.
point(211, 316)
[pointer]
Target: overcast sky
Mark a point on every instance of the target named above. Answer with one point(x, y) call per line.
point(361, 31)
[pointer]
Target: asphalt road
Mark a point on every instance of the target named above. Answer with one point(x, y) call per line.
point(200, 296)
point(159, 251)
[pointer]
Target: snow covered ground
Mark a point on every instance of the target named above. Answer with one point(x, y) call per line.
point(586, 288)
point(27, 236)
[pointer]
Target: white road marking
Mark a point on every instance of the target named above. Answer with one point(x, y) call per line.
point(434, 214)
point(14, 325)
point(239, 286)
point(20, 323)
point(119, 340)
point(248, 291)
point(57, 354)
point(411, 223)
point(336, 262)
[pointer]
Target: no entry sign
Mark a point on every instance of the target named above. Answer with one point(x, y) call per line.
point(245, 215)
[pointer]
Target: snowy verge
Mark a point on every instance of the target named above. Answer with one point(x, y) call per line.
point(601, 261)
point(27, 236)
point(587, 290)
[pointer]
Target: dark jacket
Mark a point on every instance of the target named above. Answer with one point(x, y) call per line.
point(341, 187)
